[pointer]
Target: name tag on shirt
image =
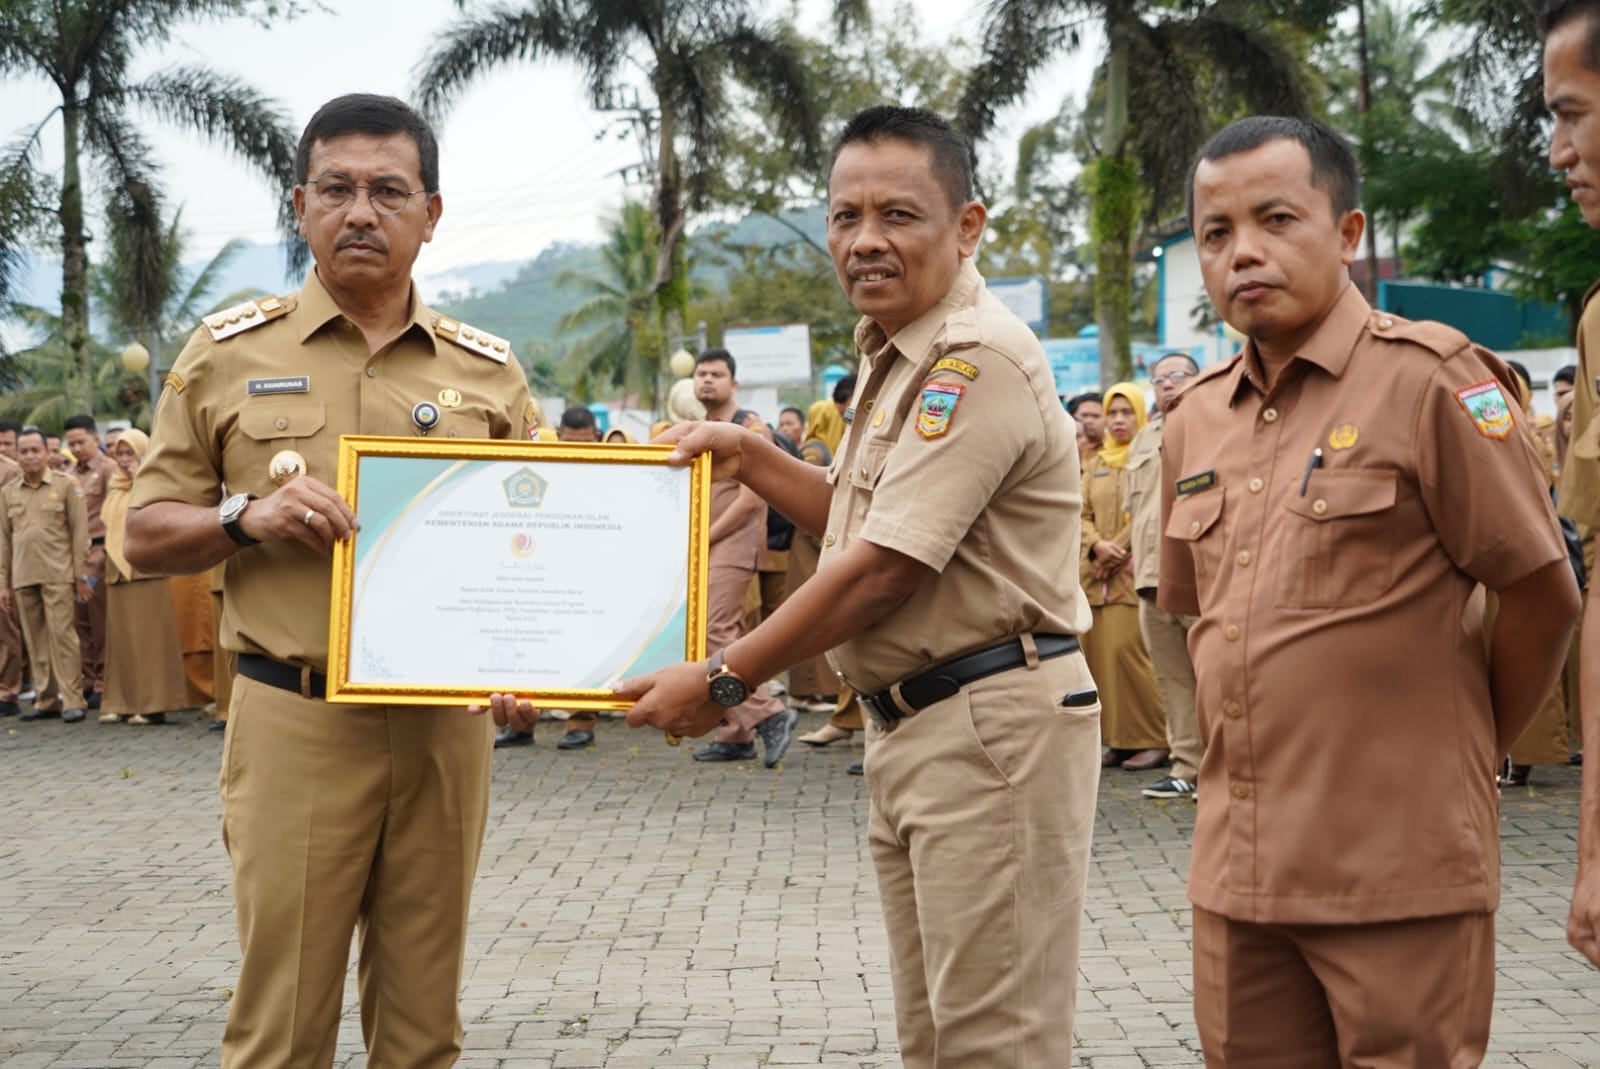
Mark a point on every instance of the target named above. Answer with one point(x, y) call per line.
point(1191, 484)
point(293, 384)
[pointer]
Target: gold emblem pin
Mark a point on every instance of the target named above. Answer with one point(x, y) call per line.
point(285, 466)
point(450, 398)
point(1343, 436)
point(877, 421)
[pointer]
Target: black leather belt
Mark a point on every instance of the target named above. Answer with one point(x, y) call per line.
point(283, 676)
point(944, 680)
point(97, 541)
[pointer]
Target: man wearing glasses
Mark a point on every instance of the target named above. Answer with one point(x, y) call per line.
point(334, 816)
point(1166, 634)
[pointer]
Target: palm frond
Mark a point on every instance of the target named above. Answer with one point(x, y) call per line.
point(133, 215)
point(1020, 37)
point(475, 46)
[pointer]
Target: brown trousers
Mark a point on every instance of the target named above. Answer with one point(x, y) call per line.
point(982, 808)
point(1400, 995)
point(1166, 635)
point(45, 612)
point(346, 817)
point(89, 617)
point(724, 624)
point(812, 676)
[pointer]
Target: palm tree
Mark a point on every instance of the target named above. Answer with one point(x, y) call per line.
point(693, 54)
point(84, 48)
point(1171, 70)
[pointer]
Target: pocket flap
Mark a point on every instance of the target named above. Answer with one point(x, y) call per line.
point(267, 422)
point(1195, 514)
point(1332, 494)
point(869, 466)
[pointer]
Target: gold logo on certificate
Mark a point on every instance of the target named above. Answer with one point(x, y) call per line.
point(525, 489)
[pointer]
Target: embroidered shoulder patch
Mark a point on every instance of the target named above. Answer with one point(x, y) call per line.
point(1486, 406)
point(960, 367)
point(939, 400)
point(175, 381)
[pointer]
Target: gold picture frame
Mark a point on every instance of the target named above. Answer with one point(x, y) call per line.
point(461, 582)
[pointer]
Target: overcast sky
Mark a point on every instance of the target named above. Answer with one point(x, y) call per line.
point(524, 161)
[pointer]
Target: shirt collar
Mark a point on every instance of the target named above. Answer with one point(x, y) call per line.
point(913, 339)
point(1329, 348)
point(316, 308)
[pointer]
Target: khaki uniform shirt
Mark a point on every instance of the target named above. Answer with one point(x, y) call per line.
point(1342, 674)
point(95, 478)
point(44, 532)
point(1144, 504)
point(298, 382)
point(1106, 517)
point(986, 493)
point(1580, 474)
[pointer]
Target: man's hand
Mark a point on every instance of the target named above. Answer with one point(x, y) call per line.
point(1583, 923)
point(304, 509)
point(508, 712)
point(5, 600)
point(82, 590)
point(674, 699)
point(724, 441)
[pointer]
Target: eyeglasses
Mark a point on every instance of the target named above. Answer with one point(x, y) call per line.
point(337, 191)
point(1173, 377)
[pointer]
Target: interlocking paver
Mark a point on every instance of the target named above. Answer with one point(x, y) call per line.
point(634, 908)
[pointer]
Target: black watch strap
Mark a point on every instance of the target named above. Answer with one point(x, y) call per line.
point(235, 532)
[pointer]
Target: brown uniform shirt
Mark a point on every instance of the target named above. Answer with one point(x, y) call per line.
point(95, 478)
point(44, 533)
point(1106, 516)
point(298, 382)
point(1144, 504)
point(1580, 474)
point(1343, 688)
point(987, 495)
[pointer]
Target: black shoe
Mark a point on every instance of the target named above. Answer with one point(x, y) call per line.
point(726, 751)
point(217, 725)
point(859, 768)
point(72, 716)
point(776, 732)
point(1169, 787)
point(93, 700)
point(9, 709)
point(576, 740)
point(41, 714)
point(511, 737)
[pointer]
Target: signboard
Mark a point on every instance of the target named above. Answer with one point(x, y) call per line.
point(1024, 297)
point(778, 355)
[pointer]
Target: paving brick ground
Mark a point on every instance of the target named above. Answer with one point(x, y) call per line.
point(635, 909)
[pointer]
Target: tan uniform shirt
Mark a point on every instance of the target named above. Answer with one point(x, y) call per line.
point(1343, 688)
point(987, 496)
point(298, 382)
point(1144, 505)
point(1106, 518)
point(95, 478)
point(44, 532)
point(1580, 474)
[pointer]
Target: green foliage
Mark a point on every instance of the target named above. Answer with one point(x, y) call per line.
point(792, 283)
point(1561, 255)
point(1114, 194)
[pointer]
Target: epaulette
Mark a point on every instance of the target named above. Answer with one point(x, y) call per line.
point(242, 317)
point(961, 329)
point(473, 340)
point(1590, 292)
point(1437, 338)
point(1215, 371)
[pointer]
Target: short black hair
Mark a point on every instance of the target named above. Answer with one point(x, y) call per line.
point(719, 353)
point(844, 389)
point(952, 153)
point(80, 422)
point(369, 113)
point(12, 425)
point(1557, 13)
point(579, 418)
point(1078, 401)
point(1185, 357)
point(791, 408)
point(1567, 373)
point(29, 431)
point(1334, 169)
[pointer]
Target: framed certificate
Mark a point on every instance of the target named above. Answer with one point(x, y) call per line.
point(538, 569)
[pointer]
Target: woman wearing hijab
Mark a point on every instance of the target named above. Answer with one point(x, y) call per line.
point(1133, 721)
point(618, 436)
point(144, 660)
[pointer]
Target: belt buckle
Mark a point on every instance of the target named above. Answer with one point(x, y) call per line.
point(884, 719)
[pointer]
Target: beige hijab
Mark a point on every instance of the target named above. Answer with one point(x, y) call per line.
point(114, 509)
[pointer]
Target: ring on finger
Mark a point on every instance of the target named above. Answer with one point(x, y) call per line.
point(306, 519)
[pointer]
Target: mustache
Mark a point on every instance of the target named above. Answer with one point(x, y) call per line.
point(361, 237)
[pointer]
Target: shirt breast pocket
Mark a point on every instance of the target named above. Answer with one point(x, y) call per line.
point(862, 477)
point(1195, 519)
point(1338, 549)
point(267, 430)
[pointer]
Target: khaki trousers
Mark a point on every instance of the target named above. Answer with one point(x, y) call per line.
point(812, 676)
point(45, 612)
point(1401, 995)
point(339, 817)
point(89, 618)
point(724, 624)
point(1166, 635)
point(1133, 717)
point(982, 808)
point(13, 655)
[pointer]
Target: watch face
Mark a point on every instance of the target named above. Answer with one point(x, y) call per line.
point(233, 506)
point(727, 691)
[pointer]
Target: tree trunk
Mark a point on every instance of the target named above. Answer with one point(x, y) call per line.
point(669, 198)
point(1113, 219)
point(1363, 106)
point(75, 266)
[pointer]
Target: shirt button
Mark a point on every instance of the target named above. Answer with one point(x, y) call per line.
point(1385, 323)
point(1245, 558)
point(1319, 506)
point(1256, 486)
point(1194, 528)
point(1231, 710)
point(372, 372)
point(1270, 415)
point(281, 424)
point(829, 540)
point(1241, 790)
point(1231, 633)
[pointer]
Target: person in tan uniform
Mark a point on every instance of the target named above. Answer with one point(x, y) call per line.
point(1166, 634)
point(336, 818)
point(948, 595)
point(44, 549)
point(1336, 497)
point(93, 470)
point(13, 655)
point(1571, 32)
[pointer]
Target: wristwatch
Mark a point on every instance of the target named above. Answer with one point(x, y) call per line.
point(232, 508)
point(726, 688)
